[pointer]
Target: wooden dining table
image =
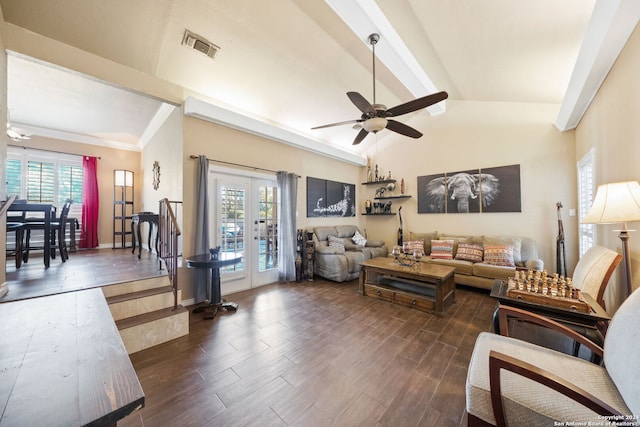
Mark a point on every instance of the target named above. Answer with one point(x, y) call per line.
point(46, 209)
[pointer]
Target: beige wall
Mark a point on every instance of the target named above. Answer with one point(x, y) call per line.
point(3, 145)
point(111, 159)
point(165, 147)
point(222, 143)
point(472, 135)
point(611, 126)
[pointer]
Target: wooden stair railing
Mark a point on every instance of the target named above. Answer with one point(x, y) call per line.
point(168, 232)
point(6, 204)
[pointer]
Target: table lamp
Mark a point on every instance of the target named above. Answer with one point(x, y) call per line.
point(618, 202)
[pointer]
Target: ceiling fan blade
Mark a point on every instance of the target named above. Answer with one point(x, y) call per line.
point(338, 124)
point(360, 136)
point(360, 102)
point(402, 129)
point(417, 104)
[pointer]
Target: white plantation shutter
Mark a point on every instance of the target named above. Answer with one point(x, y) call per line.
point(586, 184)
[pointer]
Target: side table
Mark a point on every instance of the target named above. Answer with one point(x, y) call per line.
point(213, 261)
point(136, 220)
point(584, 323)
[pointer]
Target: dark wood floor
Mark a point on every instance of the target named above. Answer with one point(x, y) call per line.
point(314, 354)
point(84, 269)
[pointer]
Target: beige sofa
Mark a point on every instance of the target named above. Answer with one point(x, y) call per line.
point(482, 274)
point(342, 264)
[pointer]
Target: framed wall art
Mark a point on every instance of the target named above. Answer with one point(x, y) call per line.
point(330, 198)
point(472, 191)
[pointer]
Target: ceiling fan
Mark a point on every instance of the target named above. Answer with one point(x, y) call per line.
point(375, 117)
point(15, 133)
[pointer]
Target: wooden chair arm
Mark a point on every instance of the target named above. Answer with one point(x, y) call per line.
point(499, 361)
point(504, 312)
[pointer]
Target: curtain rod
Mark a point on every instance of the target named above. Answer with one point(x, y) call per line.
point(51, 151)
point(239, 165)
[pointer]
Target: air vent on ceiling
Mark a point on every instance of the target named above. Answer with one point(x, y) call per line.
point(200, 44)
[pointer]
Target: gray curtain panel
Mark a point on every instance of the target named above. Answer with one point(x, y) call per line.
point(202, 277)
point(288, 188)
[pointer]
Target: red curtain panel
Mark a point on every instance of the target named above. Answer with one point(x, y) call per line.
point(90, 203)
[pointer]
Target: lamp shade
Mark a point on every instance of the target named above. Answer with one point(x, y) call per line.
point(618, 202)
point(123, 178)
point(375, 124)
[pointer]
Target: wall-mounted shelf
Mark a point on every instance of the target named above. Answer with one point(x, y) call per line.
point(406, 196)
point(379, 214)
point(386, 181)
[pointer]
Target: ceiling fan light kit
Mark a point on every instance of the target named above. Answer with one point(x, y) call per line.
point(375, 124)
point(374, 116)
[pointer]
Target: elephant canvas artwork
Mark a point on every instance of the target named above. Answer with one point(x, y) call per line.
point(483, 190)
point(330, 198)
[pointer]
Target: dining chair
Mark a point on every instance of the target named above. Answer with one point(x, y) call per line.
point(517, 383)
point(57, 235)
point(15, 224)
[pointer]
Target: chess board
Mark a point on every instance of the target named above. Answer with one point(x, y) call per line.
point(549, 292)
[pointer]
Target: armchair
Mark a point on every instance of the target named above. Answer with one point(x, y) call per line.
point(593, 271)
point(516, 383)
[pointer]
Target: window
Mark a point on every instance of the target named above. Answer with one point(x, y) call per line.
point(586, 179)
point(45, 177)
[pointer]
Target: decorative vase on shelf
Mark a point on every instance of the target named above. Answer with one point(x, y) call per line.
point(367, 207)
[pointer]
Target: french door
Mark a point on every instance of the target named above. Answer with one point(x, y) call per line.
point(245, 222)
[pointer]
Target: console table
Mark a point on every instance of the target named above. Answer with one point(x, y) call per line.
point(214, 262)
point(136, 220)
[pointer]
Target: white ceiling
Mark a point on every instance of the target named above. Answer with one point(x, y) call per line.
point(289, 62)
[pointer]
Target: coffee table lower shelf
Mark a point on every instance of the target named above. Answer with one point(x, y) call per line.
point(423, 289)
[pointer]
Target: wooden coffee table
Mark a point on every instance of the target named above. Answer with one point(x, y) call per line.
point(426, 286)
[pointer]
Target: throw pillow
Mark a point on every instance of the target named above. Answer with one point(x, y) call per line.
point(514, 242)
point(426, 237)
point(456, 241)
point(470, 252)
point(359, 239)
point(335, 242)
point(412, 245)
point(442, 249)
point(499, 255)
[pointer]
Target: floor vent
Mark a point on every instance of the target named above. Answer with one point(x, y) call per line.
point(200, 44)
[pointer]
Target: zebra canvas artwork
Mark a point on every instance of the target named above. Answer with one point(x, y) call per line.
point(330, 198)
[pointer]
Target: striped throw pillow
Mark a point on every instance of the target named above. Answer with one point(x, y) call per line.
point(412, 245)
point(499, 255)
point(469, 252)
point(336, 242)
point(442, 249)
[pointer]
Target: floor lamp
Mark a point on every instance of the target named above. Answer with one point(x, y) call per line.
point(618, 202)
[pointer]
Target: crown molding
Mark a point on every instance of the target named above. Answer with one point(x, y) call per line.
point(212, 113)
point(74, 137)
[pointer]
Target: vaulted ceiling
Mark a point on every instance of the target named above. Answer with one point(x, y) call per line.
point(291, 62)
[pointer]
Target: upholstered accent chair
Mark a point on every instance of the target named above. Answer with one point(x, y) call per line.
point(516, 383)
point(593, 271)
